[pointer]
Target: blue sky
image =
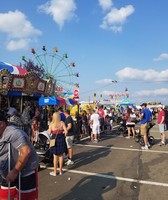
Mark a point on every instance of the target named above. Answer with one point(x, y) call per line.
point(120, 40)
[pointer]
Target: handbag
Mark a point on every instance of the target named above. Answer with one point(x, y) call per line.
point(53, 141)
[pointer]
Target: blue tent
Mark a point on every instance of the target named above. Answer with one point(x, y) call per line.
point(48, 101)
point(44, 101)
point(126, 102)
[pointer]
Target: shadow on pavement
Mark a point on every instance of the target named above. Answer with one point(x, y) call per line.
point(103, 136)
point(91, 188)
point(89, 156)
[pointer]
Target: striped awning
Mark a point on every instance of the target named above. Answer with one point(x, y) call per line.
point(12, 68)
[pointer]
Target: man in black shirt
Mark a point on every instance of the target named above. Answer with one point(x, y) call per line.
point(70, 136)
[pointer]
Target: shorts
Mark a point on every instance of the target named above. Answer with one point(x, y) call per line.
point(144, 128)
point(96, 129)
point(162, 128)
point(101, 121)
point(69, 141)
point(29, 188)
point(130, 124)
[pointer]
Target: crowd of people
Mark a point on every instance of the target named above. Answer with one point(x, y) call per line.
point(101, 120)
point(23, 162)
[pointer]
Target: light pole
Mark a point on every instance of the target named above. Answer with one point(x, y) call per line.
point(115, 82)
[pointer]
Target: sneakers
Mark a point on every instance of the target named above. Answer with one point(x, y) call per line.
point(145, 148)
point(148, 145)
point(53, 174)
point(61, 173)
point(94, 140)
point(69, 162)
point(161, 144)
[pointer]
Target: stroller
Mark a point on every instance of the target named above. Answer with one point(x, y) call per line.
point(42, 147)
point(123, 129)
point(139, 137)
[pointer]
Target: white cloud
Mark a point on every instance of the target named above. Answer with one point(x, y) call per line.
point(60, 10)
point(163, 56)
point(104, 81)
point(105, 4)
point(13, 45)
point(157, 92)
point(106, 92)
point(129, 73)
point(115, 19)
point(18, 29)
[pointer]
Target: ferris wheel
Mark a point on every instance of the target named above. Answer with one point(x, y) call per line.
point(52, 65)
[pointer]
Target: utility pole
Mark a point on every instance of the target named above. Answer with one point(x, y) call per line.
point(115, 82)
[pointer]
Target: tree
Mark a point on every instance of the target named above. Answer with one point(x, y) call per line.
point(31, 67)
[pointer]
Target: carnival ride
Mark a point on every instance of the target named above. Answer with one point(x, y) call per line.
point(55, 67)
point(49, 74)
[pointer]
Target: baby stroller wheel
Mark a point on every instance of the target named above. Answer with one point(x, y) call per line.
point(141, 141)
point(151, 140)
point(118, 131)
point(125, 134)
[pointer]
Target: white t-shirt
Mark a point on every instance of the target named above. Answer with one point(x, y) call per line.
point(95, 118)
point(105, 112)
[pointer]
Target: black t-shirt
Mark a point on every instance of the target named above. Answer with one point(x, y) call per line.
point(166, 116)
point(69, 120)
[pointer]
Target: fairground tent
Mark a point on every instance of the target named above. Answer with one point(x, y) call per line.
point(126, 102)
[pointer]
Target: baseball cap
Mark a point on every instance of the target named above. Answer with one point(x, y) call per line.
point(144, 104)
point(2, 117)
point(11, 111)
point(160, 106)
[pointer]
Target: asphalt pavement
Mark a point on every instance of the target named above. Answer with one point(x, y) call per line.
point(115, 168)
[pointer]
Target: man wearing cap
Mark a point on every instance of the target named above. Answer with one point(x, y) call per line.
point(14, 118)
point(146, 116)
point(22, 162)
point(161, 124)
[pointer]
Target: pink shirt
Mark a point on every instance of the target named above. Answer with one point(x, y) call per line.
point(101, 113)
point(160, 115)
